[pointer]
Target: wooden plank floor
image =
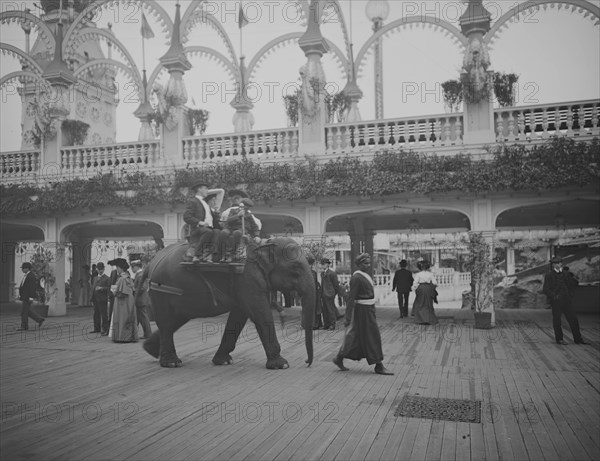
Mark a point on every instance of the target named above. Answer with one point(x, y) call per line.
point(68, 394)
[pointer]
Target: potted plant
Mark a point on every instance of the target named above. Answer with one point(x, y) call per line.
point(197, 120)
point(75, 132)
point(479, 262)
point(291, 108)
point(41, 267)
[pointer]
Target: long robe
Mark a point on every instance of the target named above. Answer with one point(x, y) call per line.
point(362, 339)
point(423, 305)
point(123, 324)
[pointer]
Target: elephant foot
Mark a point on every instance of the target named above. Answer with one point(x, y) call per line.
point(278, 363)
point(172, 361)
point(152, 345)
point(222, 359)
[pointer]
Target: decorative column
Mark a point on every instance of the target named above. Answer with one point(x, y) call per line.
point(56, 304)
point(353, 92)
point(361, 241)
point(243, 120)
point(177, 64)
point(510, 259)
point(377, 11)
point(483, 223)
point(476, 76)
point(60, 78)
point(312, 115)
point(144, 112)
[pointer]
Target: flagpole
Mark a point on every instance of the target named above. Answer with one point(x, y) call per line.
point(143, 53)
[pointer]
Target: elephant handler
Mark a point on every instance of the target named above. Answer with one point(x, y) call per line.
point(199, 218)
point(362, 339)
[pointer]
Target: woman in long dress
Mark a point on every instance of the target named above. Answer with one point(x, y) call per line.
point(84, 287)
point(123, 323)
point(424, 285)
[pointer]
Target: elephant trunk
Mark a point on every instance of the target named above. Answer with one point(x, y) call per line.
point(309, 299)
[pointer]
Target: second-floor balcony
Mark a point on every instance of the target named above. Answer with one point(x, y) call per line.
point(441, 134)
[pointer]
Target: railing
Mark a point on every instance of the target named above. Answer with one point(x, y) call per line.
point(408, 133)
point(83, 160)
point(543, 121)
point(443, 279)
point(269, 145)
point(17, 166)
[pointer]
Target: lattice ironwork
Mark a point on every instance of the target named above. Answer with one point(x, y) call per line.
point(467, 411)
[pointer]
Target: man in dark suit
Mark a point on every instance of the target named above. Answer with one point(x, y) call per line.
point(330, 286)
point(402, 283)
point(559, 287)
point(27, 292)
point(318, 320)
point(199, 218)
point(100, 290)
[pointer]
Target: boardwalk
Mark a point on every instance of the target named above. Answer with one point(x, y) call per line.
point(70, 395)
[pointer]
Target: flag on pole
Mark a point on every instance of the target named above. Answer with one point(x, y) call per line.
point(146, 30)
point(242, 20)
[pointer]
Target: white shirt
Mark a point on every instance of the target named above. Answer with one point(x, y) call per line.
point(23, 279)
point(423, 277)
point(208, 219)
point(227, 212)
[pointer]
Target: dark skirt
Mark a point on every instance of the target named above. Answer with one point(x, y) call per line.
point(423, 305)
point(362, 339)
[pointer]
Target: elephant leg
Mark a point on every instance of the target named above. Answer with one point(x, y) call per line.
point(152, 345)
point(168, 356)
point(265, 325)
point(234, 326)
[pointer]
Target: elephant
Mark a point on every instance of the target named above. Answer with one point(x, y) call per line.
point(181, 292)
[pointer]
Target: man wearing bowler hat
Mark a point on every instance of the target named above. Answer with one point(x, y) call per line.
point(559, 287)
point(238, 221)
point(100, 289)
point(27, 292)
point(330, 287)
point(198, 216)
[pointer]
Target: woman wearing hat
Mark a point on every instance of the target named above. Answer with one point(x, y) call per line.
point(558, 287)
point(124, 320)
point(362, 339)
point(424, 286)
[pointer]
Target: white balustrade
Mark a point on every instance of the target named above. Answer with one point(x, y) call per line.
point(87, 161)
point(406, 133)
point(263, 146)
point(19, 166)
point(575, 119)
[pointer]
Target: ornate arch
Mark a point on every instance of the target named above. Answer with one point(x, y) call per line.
point(44, 32)
point(287, 39)
point(512, 15)
point(22, 74)
point(504, 206)
point(21, 55)
point(340, 16)
point(231, 69)
point(197, 16)
point(437, 24)
point(111, 63)
point(120, 48)
point(91, 11)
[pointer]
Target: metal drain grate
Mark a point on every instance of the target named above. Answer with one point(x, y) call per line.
point(467, 411)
